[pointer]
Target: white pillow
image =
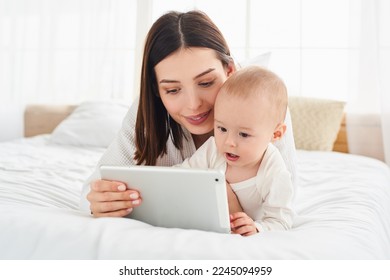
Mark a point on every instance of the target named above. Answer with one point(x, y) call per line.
point(91, 124)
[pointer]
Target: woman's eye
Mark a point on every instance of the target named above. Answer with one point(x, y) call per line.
point(172, 91)
point(206, 84)
point(244, 135)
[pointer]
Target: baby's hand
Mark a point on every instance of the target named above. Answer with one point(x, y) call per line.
point(242, 224)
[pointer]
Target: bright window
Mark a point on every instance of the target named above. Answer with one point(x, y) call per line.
point(310, 40)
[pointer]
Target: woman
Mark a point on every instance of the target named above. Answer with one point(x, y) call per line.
point(186, 60)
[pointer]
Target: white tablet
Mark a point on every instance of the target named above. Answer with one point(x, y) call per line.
point(176, 197)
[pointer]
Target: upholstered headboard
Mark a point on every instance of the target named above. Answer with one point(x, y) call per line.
point(41, 119)
point(341, 144)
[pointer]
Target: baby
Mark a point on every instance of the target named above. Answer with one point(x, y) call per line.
point(249, 116)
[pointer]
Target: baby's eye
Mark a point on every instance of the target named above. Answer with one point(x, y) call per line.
point(222, 129)
point(243, 134)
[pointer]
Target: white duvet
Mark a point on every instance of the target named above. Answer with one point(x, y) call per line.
point(343, 207)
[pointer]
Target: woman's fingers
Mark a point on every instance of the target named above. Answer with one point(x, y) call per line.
point(112, 199)
point(113, 196)
point(114, 208)
point(119, 213)
point(111, 206)
point(107, 186)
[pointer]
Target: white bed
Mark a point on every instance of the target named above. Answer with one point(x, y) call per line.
point(343, 207)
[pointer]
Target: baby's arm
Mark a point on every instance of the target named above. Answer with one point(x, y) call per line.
point(277, 203)
point(234, 204)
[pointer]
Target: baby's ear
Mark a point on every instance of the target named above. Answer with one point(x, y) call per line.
point(279, 132)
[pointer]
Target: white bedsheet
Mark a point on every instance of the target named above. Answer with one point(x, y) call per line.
point(343, 207)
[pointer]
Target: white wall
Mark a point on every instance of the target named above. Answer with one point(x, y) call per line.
point(11, 121)
point(364, 134)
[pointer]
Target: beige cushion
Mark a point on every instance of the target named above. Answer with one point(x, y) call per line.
point(315, 122)
point(42, 119)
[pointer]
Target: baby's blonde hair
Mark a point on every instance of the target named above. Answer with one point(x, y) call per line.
point(254, 81)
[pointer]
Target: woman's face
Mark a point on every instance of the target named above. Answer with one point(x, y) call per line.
point(188, 82)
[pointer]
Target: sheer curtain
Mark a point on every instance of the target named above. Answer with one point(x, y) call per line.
point(369, 103)
point(63, 51)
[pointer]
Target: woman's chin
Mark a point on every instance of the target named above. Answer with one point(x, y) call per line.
point(201, 130)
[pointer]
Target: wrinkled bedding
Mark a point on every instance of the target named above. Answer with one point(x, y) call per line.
point(343, 212)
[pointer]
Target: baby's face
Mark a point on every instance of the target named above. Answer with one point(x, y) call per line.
point(243, 129)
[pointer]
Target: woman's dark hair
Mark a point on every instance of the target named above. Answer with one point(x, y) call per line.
point(171, 32)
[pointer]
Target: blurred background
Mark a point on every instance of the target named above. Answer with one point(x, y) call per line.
point(69, 51)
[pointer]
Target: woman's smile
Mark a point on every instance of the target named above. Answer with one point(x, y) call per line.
point(199, 118)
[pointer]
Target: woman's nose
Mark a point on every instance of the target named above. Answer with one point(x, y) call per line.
point(194, 101)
